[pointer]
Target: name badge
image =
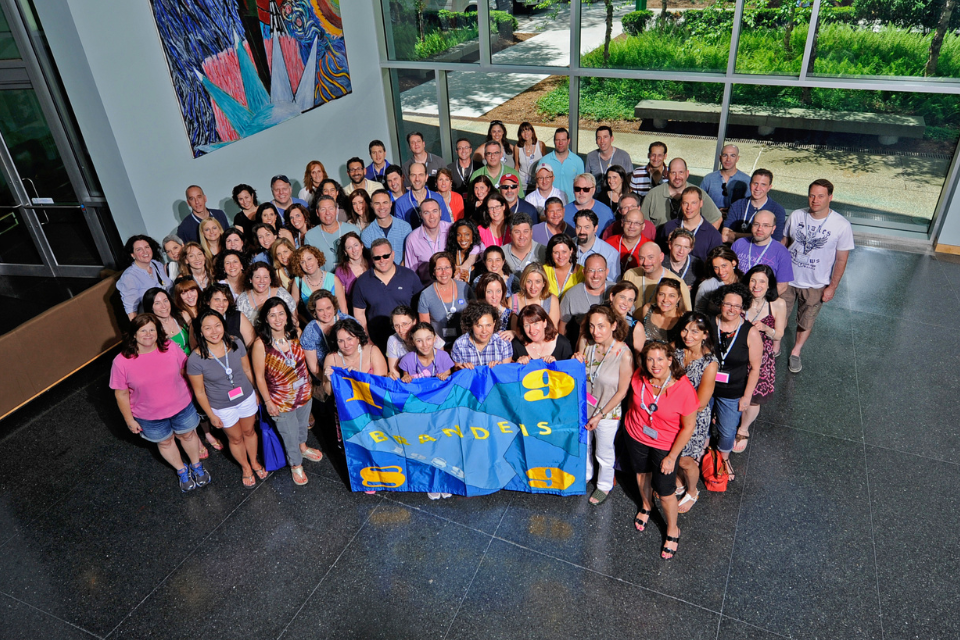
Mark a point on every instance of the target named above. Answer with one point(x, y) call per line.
point(299, 383)
point(591, 399)
point(650, 432)
point(723, 377)
point(233, 394)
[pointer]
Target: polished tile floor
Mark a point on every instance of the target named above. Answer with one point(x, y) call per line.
point(842, 522)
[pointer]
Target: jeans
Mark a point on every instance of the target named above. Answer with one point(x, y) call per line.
point(292, 429)
point(727, 411)
point(601, 441)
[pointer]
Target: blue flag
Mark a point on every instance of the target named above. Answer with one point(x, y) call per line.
point(517, 427)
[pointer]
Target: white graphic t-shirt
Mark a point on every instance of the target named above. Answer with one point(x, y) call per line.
point(815, 245)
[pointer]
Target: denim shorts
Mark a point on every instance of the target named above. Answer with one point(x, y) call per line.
point(180, 423)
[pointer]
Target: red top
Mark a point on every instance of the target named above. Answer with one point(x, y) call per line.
point(456, 206)
point(629, 258)
point(680, 399)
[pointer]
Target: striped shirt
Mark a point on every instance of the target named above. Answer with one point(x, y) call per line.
point(640, 182)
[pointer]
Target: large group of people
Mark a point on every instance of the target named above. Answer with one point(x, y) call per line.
point(674, 297)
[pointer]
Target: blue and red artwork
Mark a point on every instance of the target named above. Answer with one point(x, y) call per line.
point(242, 66)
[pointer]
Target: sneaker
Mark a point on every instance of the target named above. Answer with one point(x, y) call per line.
point(433, 496)
point(794, 364)
point(446, 495)
point(186, 482)
point(201, 476)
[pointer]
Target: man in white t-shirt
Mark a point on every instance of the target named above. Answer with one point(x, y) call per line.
point(820, 241)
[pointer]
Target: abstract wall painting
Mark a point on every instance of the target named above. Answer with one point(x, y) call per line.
point(242, 66)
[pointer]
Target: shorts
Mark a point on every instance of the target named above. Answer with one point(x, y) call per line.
point(180, 423)
point(230, 416)
point(808, 302)
point(646, 459)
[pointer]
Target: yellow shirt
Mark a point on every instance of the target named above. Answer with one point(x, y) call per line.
point(574, 278)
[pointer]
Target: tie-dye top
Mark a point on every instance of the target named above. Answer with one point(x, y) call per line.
point(282, 378)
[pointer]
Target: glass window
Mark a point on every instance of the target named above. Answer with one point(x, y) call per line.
point(684, 116)
point(482, 103)
point(672, 35)
point(16, 245)
point(431, 30)
point(415, 92)
point(886, 38)
point(32, 147)
point(772, 38)
point(890, 180)
point(8, 47)
point(522, 34)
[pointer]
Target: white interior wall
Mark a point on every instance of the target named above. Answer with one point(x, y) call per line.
point(116, 76)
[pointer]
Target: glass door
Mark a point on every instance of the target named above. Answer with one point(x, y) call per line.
point(49, 219)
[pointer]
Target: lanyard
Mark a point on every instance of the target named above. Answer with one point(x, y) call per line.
point(430, 369)
point(565, 280)
point(694, 232)
point(323, 236)
point(464, 176)
point(630, 253)
point(750, 263)
point(643, 285)
point(288, 356)
point(652, 408)
point(749, 221)
point(758, 314)
point(686, 268)
point(592, 374)
point(435, 246)
point(453, 307)
point(808, 241)
point(226, 367)
point(723, 356)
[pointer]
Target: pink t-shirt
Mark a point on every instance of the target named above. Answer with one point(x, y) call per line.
point(157, 387)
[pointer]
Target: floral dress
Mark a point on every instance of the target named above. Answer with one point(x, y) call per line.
point(698, 441)
point(768, 364)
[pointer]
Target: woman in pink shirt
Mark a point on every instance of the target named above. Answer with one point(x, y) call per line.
point(154, 399)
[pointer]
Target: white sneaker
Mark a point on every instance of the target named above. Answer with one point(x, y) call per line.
point(434, 496)
point(446, 495)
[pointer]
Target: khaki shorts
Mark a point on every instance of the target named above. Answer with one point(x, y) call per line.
point(808, 302)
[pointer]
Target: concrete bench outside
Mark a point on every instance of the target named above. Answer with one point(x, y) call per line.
point(767, 120)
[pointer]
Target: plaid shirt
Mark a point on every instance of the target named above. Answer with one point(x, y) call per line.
point(465, 351)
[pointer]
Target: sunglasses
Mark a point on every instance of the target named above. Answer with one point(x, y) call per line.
point(385, 256)
point(509, 186)
point(581, 189)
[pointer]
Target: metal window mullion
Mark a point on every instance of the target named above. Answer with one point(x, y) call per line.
point(483, 16)
point(735, 38)
point(947, 195)
point(728, 83)
point(722, 127)
point(573, 112)
point(443, 110)
point(393, 81)
point(811, 38)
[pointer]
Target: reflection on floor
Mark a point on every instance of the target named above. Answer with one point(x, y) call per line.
point(841, 522)
point(25, 297)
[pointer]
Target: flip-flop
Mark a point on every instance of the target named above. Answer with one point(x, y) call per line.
point(597, 497)
point(261, 473)
point(252, 481)
point(312, 454)
point(204, 454)
point(687, 498)
point(737, 448)
point(299, 476)
point(731, 475)
point(215, 444)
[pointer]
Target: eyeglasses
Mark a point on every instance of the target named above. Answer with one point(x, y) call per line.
point(385, 256)
point(493, 153)
point(632, 223)
point(763, 225)
point(596, 271)
point(446, 268)
point(730, 305)
point(581, 189)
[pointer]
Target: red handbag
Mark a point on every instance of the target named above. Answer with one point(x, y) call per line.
point(714, 471)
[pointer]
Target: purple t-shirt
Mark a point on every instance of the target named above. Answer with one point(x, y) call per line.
point(774, 255)
point(410, 363)
point(155, 380)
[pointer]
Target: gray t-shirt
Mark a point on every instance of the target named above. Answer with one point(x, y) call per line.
point(215, 380)
point(598, 167)
point(444, 321)
point(577, 302)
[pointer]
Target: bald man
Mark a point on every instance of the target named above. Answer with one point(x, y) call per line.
point(728, 184)
point(647, 276)
point(662, 203)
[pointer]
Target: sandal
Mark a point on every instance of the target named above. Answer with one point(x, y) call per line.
point(672, 552)
point(682, 489)
point(261, 473)
point(204, 454)
point(299, 477)
point(687, 498)
point(215, 444)
point(249, 481)
point(642, 524)
point(731, 475)
point(597, 497)
point(312, 454)
point(740, 443)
